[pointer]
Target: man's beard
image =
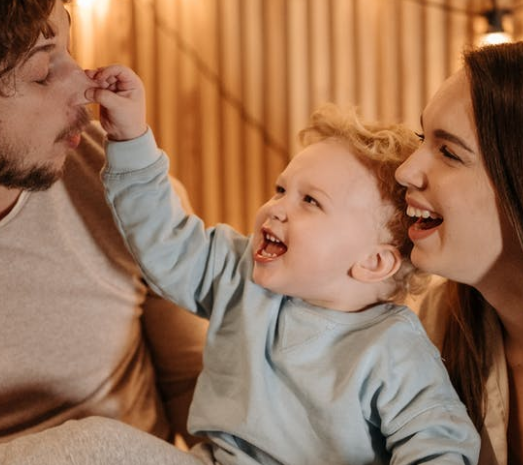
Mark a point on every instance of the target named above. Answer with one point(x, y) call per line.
point(34, 178)
point(15, 175)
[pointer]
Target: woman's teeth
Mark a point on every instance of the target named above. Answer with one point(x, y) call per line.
point(425, 218)
point(419, 213)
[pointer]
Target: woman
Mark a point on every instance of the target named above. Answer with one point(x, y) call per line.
point(465, 187)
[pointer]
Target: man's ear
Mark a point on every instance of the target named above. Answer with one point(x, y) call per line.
point(378, 266)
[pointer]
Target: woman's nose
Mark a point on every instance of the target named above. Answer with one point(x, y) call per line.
point(411, 172)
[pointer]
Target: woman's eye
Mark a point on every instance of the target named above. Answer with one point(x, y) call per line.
point(449, 154)
point(311, 200)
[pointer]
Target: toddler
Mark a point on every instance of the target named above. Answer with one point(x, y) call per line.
point(308, 360)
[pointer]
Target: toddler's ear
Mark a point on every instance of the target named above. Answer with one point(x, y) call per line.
point(379, 266)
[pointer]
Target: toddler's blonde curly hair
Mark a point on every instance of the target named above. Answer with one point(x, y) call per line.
point(381, 148)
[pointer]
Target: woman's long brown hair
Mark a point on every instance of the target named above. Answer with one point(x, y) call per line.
point(465, 348)
point(495, 74)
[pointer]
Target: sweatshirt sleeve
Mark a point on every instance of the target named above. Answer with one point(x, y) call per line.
point(172, 248)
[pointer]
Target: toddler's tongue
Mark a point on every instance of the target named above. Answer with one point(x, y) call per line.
point(275, 248)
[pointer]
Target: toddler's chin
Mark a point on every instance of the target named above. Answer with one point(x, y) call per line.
point(259, 277)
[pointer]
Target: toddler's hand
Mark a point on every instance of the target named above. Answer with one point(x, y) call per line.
point(121, 96)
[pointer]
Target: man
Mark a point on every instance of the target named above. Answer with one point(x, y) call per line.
point(72, 342)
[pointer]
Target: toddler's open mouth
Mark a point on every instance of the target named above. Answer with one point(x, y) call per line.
point(271, 247)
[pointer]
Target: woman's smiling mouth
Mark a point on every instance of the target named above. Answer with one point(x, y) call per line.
point(427, 222)
point(425, 218)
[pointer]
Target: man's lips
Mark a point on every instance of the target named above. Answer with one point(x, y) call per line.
point(72, 135)
point(74, 140)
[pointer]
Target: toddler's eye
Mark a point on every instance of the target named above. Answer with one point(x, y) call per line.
point(279, 191)
point(311, 200)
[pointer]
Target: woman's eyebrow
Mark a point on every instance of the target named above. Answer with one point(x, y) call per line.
point(445, 135)
point(442, 134)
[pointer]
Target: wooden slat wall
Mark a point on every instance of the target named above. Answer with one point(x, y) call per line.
point(231, 82)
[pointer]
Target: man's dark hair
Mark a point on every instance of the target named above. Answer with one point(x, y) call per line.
point(21, 23)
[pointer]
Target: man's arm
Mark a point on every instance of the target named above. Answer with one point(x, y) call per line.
point(175, 338)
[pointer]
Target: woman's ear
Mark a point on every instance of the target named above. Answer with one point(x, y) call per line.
point(378, 266)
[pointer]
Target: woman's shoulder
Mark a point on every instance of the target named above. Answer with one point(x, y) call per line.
point(433, 309)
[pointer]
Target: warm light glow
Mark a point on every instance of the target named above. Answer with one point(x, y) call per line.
point(497, 26)
point(85, 3)
point(99, 7)
point(493, 38)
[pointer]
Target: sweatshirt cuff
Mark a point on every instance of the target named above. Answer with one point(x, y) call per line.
point(132, 155)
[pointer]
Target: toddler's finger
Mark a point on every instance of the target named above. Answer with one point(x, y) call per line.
point(104, 97)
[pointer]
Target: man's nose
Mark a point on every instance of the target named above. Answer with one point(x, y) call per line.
point(79, 82)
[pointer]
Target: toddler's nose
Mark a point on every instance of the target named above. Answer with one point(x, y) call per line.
point(277, 210)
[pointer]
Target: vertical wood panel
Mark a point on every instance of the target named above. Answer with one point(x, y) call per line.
point(344, 60)
point(412, 61)
point(299, 71)
point(167, 72)
point(253, 147)
point(189, 156)
point(367, 43)
point(276, 88)
point(517, 20)
point(208, 180)
point(389, 86)
point(232, 170)
point(436, 45)
point(145, 52)
point(82, 36)
point(320, 49)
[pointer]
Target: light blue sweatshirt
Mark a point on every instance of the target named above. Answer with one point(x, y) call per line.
point(285, 382)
